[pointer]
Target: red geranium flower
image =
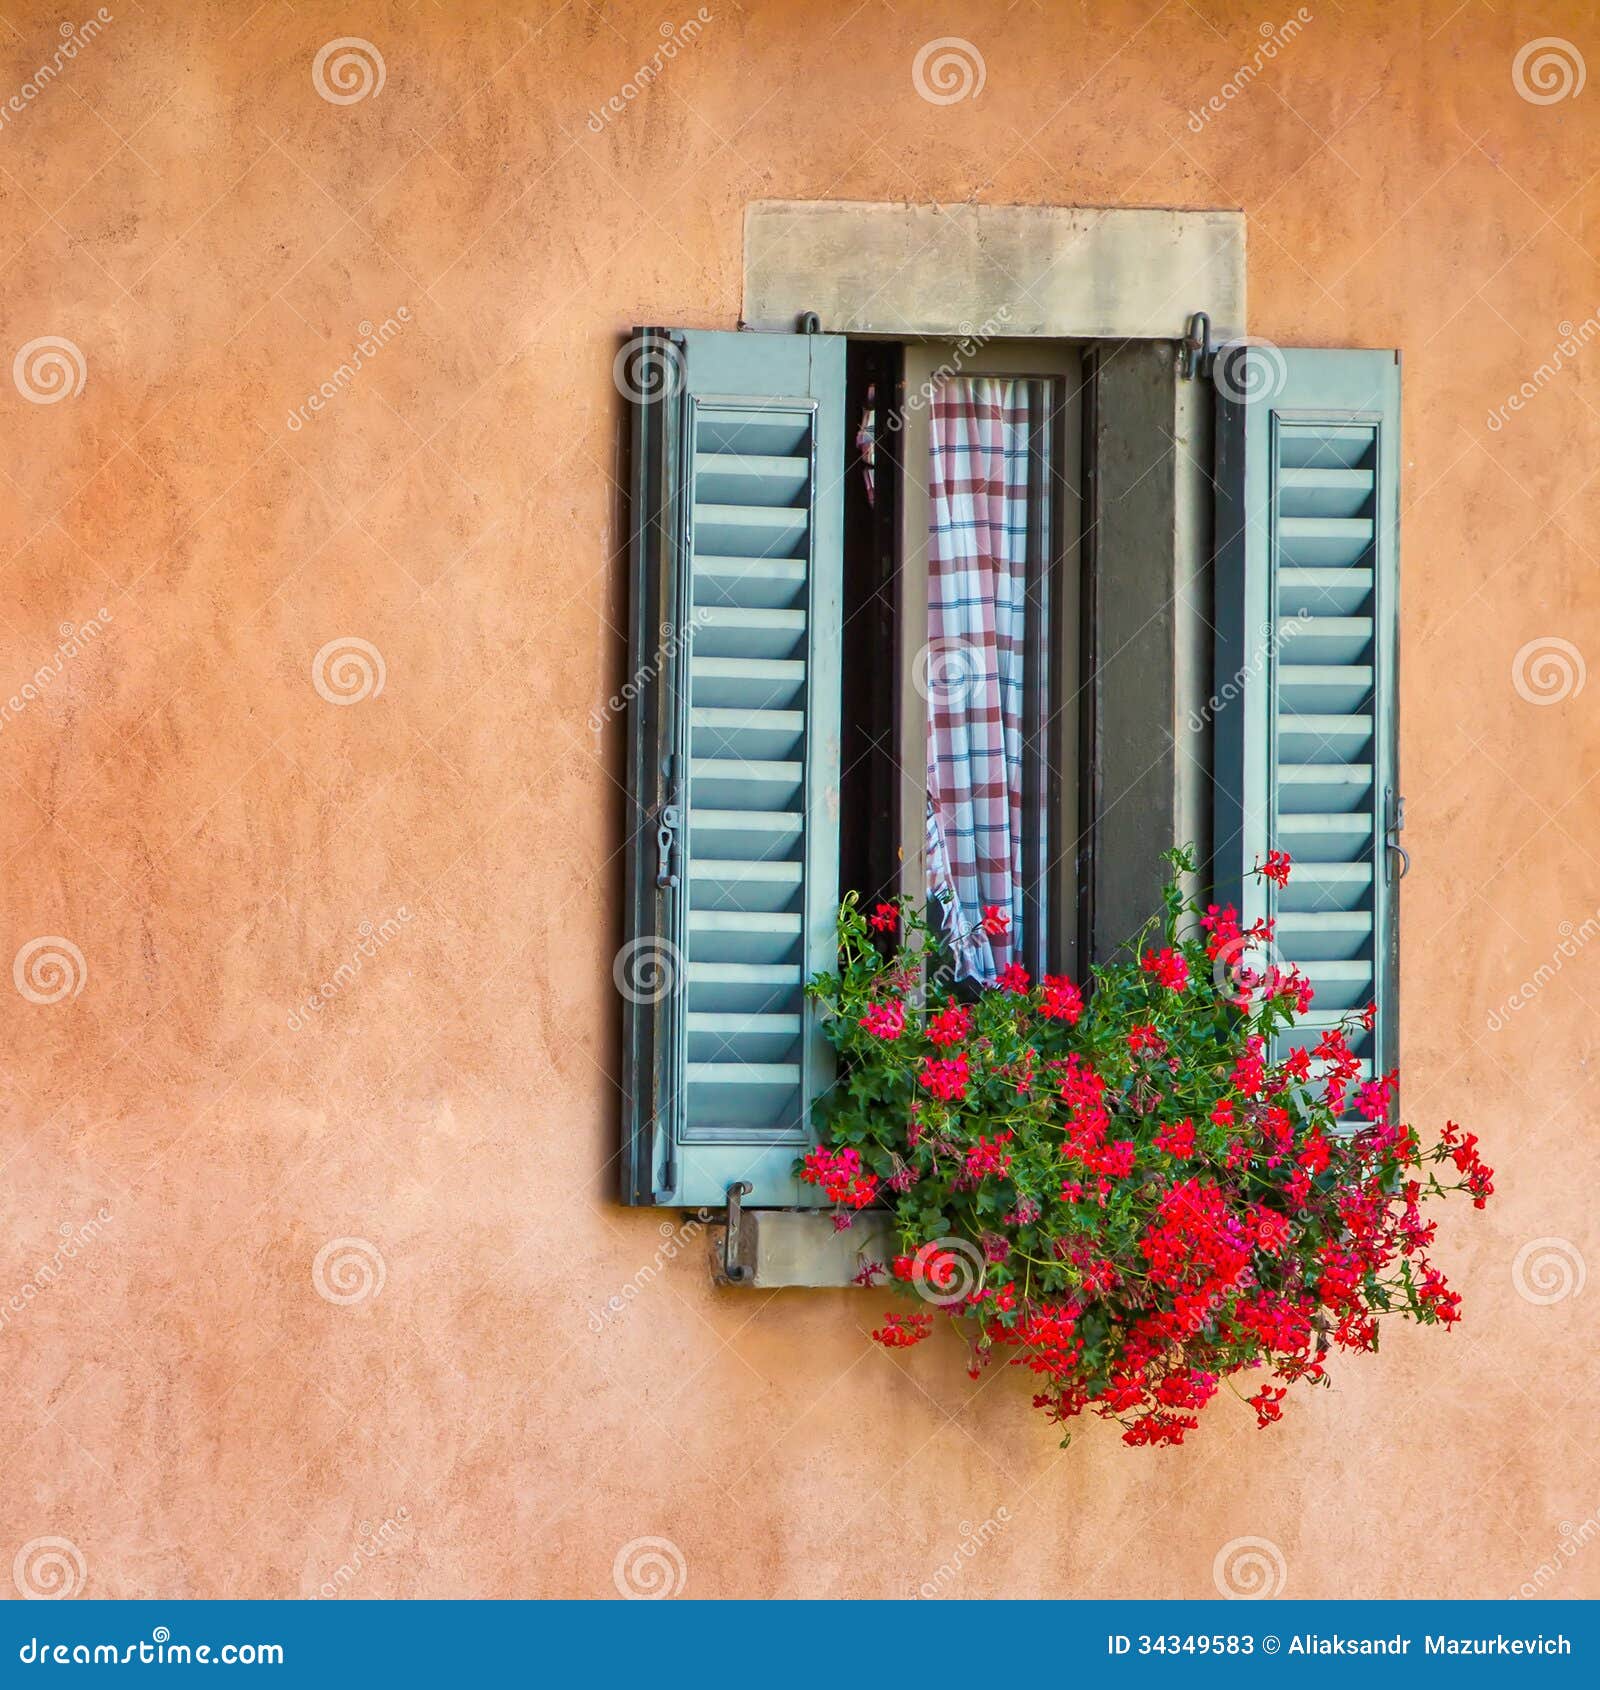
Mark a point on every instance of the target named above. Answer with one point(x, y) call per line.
point(1276, 867)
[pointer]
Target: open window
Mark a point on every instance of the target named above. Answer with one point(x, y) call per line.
point(987, 625)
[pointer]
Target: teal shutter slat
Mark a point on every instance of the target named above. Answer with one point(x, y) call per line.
point(1306, 680)
point(737, 564)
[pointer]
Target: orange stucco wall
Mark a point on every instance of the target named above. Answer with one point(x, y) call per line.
point(189, 1401)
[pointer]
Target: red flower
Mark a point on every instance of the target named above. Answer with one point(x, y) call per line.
point(1178, 1139)
point(1062, 1000)
point(1250, 1072)
point(885, 918)
point(901, 1331)
point(1297, 1064)
point(1221, 924)
point(885, 1020)
point(951, 1025)
point(1276, 867)
point(996, 921)
point(1114, 1159)
point(986, 1157)
point(1372, 1099)
point(1463, 1149)
point(946, 1078)
point(1314, 1154)
point(1214, 1217)
point(1292, 983)
point(1145, 1038)
point(1169, 967)
point(839, 1174)
point(1266, 1404)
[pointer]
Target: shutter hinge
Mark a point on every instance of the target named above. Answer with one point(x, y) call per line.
point(1396, 805)
point(666, 834)
point(1196, 353)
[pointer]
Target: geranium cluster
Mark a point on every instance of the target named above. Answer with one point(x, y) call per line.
point(1137, 1191)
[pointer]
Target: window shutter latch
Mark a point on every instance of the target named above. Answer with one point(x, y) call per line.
point(1397, 822)
point(666, 834)
point(1195, 351)
point(732, 1267)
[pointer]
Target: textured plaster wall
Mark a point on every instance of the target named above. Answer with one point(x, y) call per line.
point(189, 1402)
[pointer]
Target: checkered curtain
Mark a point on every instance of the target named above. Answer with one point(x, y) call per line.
point(977, 586)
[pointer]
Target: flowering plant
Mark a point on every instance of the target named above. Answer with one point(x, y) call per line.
point(1127, 1192)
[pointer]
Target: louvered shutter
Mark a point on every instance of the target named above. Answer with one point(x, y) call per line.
point(733, 840)
point(1306, 720)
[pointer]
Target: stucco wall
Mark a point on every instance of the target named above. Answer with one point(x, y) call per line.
point(183, 804)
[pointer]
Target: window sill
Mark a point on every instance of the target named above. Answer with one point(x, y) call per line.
point(792, 1248)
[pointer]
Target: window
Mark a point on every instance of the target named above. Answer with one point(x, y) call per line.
point(817, 523)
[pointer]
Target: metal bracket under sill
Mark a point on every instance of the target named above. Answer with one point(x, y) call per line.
point(770, 1249)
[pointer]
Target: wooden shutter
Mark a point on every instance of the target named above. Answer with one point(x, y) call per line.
point(738, 461)
point(1306, 718)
